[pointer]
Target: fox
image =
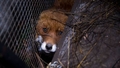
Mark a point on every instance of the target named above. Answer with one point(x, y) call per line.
point(50, 26)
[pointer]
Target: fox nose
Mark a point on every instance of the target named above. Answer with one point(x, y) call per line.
point(49, 46)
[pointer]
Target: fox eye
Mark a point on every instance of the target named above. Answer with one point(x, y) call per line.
point(60, 32)
point(45, 30)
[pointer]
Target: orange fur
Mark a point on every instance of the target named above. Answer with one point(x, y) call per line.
point(53, 19)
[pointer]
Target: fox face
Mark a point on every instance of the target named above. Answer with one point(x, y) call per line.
point(49, 29)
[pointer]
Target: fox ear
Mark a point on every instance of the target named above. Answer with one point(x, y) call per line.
point(37, 31)
point(64, 4)
point(68, 13)
point(38, 27)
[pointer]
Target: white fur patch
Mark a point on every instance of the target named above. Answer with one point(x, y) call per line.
point(39, 39)
point(53, 48)
point(43, 47)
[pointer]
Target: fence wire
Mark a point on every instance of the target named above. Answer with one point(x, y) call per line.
point(93, 36)
point(17, 27)
point(92, 33)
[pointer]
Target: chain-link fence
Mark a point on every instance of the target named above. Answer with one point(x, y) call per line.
point(92, 36)
point(17, 31)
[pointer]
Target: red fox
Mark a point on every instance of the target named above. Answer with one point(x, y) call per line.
point(51, 24)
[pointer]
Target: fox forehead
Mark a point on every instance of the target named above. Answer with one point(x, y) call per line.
point(52, 20)
point(54, 15)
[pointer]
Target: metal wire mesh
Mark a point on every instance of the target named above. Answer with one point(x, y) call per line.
point(17, 26)
point(92, 36)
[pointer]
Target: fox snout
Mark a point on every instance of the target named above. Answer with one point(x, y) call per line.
point(46, 46)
